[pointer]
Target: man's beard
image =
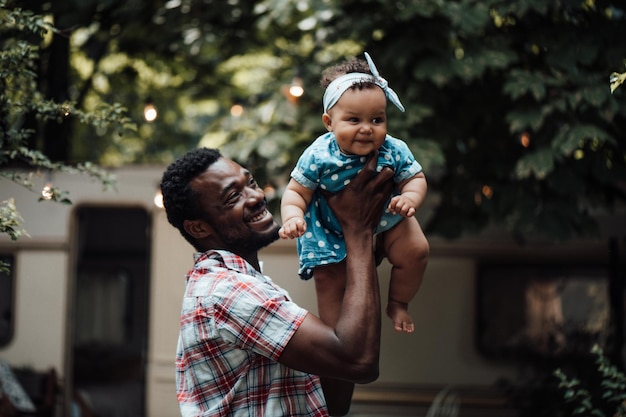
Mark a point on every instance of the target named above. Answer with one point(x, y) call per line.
point(253, 242)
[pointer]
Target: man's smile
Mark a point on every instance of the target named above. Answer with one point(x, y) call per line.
point(260, 218)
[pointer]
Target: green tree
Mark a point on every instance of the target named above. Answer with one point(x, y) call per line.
point(508, 105)
point(23, 109)
point(508, 100)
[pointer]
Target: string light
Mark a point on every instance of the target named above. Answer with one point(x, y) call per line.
point(47, 192)
point(158, 198)
point(294, 91)
point(236, 110)
point(150, 113)
point(524, 139)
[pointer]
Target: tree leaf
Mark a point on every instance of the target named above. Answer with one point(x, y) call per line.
point(570, 138)
point(538, 164)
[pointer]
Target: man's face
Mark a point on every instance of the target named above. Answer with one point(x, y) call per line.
point(235, 208)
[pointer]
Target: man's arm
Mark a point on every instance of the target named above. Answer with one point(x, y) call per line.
point(350, 351)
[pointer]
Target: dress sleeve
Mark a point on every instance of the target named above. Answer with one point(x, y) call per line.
point(405, 164)
point(307, 169)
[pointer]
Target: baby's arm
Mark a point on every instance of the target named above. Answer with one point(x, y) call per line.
point(412, 193)
point(292, 207)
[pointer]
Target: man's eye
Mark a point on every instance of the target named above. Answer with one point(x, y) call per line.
point(232, 197)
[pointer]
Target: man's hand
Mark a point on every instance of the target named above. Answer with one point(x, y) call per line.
point(292, 228)
point(346, 349)
point(361, 202)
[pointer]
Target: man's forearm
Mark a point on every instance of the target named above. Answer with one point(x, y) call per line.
point(359, 323)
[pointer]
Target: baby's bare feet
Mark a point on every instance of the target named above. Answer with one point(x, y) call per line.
point(399, 315)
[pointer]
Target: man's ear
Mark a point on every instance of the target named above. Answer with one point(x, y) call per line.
point(198, 229)
point(328, 122)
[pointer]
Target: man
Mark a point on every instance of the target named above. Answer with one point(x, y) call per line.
point(246, 349)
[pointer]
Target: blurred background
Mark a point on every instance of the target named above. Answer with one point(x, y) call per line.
point(513, 108)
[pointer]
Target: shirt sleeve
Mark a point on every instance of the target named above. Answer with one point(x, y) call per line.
point(258, 317)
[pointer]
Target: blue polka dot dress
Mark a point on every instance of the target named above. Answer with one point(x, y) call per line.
point(323, 166)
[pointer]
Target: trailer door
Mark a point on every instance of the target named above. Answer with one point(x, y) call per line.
point(109, 319)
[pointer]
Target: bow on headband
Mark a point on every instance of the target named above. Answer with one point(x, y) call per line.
point(338, 86)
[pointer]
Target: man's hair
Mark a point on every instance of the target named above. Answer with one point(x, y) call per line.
point(181, 202)
point(346, 67)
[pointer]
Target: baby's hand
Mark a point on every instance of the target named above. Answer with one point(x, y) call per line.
point(292, 228)
point(402, 206)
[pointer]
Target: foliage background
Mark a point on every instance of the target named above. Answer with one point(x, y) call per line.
point(508, 102)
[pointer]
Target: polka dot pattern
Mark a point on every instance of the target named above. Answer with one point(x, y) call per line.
point(323, 166)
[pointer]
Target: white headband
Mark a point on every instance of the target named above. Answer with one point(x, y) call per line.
point(339, 85)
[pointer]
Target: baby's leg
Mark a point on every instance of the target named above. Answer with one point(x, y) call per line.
point(407, 250)
point(330, 286)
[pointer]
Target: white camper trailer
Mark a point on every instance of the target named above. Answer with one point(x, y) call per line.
point(94, 293)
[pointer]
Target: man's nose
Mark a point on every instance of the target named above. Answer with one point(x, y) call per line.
point(254, 195)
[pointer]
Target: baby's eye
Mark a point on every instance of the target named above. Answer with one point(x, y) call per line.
point(378, 120)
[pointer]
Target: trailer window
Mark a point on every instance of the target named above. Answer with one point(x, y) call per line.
point(538, 311)
point(6, 298)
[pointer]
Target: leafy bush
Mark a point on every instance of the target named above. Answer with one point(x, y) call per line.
point(588, 399)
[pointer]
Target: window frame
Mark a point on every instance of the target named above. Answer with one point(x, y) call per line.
point(7, 299)
point(511, 281)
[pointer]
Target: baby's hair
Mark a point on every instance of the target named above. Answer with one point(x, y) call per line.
point(346, 67)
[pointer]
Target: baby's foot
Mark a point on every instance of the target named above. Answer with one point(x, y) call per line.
point(399, 315)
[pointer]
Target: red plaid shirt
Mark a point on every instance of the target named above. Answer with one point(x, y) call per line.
point(234, 325)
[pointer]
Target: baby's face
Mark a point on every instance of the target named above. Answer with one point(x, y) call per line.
point(359, 120)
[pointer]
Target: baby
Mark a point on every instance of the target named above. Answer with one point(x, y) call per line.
point(355, 102)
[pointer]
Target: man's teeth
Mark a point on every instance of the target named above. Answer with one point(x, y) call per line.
point(259, 217)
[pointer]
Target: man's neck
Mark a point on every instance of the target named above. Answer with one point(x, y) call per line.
point(253, 259)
